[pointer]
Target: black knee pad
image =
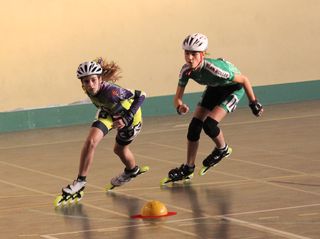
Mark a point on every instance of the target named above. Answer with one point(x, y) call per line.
point(210, 127)
point(194, 129)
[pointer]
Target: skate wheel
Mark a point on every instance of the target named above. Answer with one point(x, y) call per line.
point(187, 182)
point(70, 201)
point(77, 199)
point(164, 181)
point(144, 169)
point(188, 179)
point(58, 201)
point(110, 187)
point(203, 171)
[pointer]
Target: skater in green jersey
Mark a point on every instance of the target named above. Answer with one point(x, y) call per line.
point(225, 86)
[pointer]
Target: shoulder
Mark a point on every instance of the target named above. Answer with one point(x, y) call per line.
point(110, 89)
point(211, 63)
point(217, 67)
point(119, 91)
point(185, 69)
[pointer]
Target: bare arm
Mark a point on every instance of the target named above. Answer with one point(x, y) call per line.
point(244, 81)
point(178, 97)
point(255, 106)
point(178, 103)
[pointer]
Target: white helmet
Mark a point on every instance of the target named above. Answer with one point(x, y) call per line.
point(89, 68)
point(195, 42)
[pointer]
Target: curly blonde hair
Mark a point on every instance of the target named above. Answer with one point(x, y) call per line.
point(111, 71)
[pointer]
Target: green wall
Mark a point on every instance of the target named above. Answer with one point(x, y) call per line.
point(153, 106)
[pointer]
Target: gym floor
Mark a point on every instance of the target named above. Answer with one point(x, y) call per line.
point(268, 188)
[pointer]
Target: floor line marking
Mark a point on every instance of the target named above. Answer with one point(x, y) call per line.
point(244, 223)
point(274, 209)
point(29, 235)
point(243, 213)
point(260, 120)
point(268, 218)
point(129, 194)
point(181, 231)
point(25, 188)
point(308, 214)
point(252, 179)
point(93, 230)
point(233, 159)
point(48, 237)
point(272, 152)
point(264, 228)
point(41, 144)
point(242, 177)
point(162, 131)
point(291, 176)
point(228, 182)
point(33, 170)
point(52, 195)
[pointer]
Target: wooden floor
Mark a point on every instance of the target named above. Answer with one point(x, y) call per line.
point(268, 188)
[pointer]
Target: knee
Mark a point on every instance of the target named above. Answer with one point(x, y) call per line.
point(194, 129)
point(210, 127)
point(91, 144)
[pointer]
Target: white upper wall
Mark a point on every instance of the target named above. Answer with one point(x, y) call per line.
point(43, 42)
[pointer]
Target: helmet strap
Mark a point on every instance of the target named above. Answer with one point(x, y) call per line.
point(201, 61)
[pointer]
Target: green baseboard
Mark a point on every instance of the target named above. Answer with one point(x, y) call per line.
point(153, 106)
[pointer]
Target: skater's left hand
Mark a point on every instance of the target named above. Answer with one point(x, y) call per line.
point(256, 108)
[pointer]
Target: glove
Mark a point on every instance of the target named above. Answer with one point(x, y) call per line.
point(256, 108)
point(178, 111)
point(127, 117)
point(184, 110)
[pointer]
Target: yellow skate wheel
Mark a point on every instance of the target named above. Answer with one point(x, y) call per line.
point(77, 199)
point(109, 187)
point(58, 201)
point(203, 171)
point(188, 178)
point(69, 201)
point(144, 169)
point(164, 181)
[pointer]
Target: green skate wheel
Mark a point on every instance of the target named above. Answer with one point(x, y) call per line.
point(58, 201)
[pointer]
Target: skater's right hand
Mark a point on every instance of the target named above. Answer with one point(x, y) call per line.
point(182, 109)
point(123, 120)
point(118, 122)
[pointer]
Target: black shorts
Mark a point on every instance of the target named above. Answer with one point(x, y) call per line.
point(214, 96)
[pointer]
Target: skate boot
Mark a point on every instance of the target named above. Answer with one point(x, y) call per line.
point(126, 176)
point(184, 173)
point(215, 157)
point(70, 194)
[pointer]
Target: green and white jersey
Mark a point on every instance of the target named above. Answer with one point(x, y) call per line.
point(213, 72)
